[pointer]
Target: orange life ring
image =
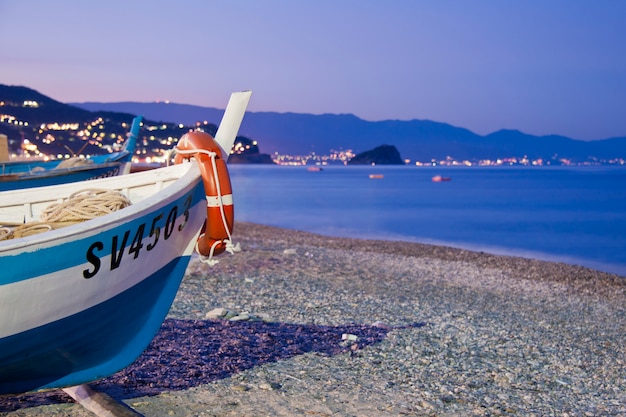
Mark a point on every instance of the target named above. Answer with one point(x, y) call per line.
point(216, 236)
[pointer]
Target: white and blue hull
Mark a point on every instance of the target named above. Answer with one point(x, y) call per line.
point(82, 302)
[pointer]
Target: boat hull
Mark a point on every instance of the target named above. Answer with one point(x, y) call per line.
point(90, 344)
point(82, 302)
point(61, 176)
point(96, 292)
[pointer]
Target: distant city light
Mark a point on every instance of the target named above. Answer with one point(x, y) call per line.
point(106, 136)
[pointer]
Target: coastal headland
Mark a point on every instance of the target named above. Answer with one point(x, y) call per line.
point(310, 325)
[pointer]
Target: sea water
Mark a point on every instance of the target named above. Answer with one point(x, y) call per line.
point(575, 215)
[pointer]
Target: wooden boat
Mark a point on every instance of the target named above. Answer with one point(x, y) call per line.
point(81, 302)
point(439, 178)
point(28, 174)
point(376, 176)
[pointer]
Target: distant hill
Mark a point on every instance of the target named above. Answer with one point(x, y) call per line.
point(417, 140)
point(382, 155)
point(287, 133)
point(58, 128)
point(23, 111)
point(46, 109)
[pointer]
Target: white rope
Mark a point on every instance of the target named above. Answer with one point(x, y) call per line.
point(230, 247)
point(208, 259)
point(213, 155)
point(194, 151)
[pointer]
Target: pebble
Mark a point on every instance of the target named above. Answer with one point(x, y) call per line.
point(216, 313)
point(269, 386)
point(241, 316)
point(223, 313)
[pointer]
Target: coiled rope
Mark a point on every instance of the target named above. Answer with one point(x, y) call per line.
point(78, 207)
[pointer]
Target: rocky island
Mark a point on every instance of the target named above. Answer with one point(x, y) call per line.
point(382, 155)
point(246, 151)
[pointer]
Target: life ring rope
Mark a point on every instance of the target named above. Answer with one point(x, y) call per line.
point(230, 247)
point(215, 201)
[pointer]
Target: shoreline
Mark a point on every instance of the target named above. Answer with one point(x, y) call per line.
point(598, 266)
point(438, 251)
point(443, 331)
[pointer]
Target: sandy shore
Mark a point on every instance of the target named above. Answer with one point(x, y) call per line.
point(373, 328)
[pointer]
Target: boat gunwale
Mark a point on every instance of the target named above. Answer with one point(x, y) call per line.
point(190, 174)
point(55, 172)
point(94, 160)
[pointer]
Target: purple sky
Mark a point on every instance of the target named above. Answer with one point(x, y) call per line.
point(540, 66)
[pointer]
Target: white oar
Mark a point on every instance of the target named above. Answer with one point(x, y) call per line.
point(233, 116)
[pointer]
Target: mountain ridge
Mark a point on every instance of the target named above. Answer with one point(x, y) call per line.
point(303, 134)
point(417, 140)
point(56, 128)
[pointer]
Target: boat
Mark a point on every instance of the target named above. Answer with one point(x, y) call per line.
point(376, 176)
point(314, 169)
point(28, 174)
point(439, 178)
point(81, 302)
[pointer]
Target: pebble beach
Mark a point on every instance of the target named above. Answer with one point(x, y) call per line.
point(299, 324)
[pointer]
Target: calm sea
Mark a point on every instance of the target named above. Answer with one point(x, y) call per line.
point(575, 215)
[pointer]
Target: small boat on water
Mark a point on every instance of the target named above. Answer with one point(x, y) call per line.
point(28, 174)
point(439, 178)
point(81, 302)
point(376, 176)
point(314, 169)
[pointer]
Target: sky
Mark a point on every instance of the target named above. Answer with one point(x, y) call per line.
point(539, 66)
